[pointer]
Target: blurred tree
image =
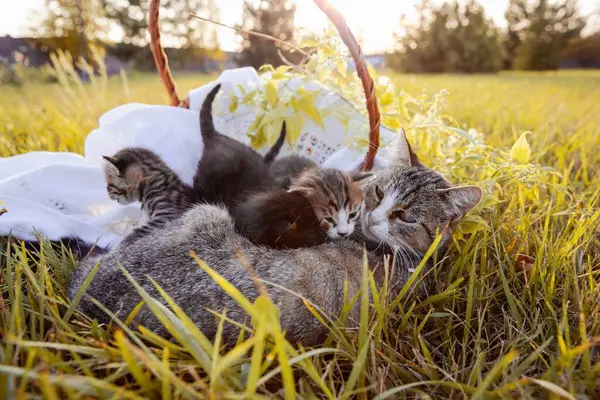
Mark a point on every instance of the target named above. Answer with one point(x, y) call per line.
point(176, 23)
point(80, 27)
point(449, 38)
point(71, 25)
point(539, 31)
point(274, 18)
point(582, 52)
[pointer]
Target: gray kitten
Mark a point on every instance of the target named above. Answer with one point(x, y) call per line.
point(406, 204)
point(137, 174)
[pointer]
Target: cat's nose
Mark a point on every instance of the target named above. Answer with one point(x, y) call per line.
point(342, 234)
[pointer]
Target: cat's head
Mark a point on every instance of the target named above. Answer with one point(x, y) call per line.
point(408, 203)
point(124, 174)
point(336, 198)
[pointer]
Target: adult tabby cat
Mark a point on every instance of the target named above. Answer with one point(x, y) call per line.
point(405, 205)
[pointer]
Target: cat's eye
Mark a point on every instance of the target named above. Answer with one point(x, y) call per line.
point(330, 220)
point(353, 215)
point(379, 192)
point(404, 216)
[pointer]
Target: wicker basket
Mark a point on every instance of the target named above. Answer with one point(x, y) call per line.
point(347, 37)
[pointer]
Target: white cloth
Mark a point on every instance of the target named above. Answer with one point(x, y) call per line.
point(64, 194)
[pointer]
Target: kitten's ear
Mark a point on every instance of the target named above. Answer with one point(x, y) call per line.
point(362, 179)
point(402, 153)
point(306, 191)
point(134, 175)
point(462, 198)
point(110, 166)
point(360, 176)
point(110, 160)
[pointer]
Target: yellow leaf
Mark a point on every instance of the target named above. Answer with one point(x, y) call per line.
point(258, 140)
point(294, 126)
point(392, 123)
point(280, 71)
point(249, 98)
point(308, 41)
point(273, 115)
point(272, 130)
point(266, 68)
point(295, 104)
point(520, 152)
point(256, 123)
point(271, 93)
point(386, 99)
point(307, 105)
point(233, 105)
point(241, 89)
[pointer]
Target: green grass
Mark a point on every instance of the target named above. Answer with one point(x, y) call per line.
point(492, 327)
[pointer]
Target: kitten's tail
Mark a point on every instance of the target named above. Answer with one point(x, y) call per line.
point(207, 127)
point(274, 151)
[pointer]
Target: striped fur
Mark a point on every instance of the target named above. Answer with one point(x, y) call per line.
point(136, 174)
point(335, 197)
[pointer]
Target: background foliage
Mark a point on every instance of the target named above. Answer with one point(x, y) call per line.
point(539, 30)
point(450, 37)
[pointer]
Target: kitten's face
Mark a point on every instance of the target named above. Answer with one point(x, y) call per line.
point(335, 197)
point(407, 204)
point(122, 187)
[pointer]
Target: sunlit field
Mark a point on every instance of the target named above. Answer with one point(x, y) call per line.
point(514, 310)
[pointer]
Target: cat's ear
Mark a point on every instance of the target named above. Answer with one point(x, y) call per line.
point(110, 166)
point(402, 153)
point(462, 198)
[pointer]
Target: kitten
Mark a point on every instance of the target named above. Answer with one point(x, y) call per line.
point(136, 174)
point(336, 198)
point(229, 169)
point(416, 203)
point(321, 204)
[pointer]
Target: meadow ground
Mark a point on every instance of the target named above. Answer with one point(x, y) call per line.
point(515, 312)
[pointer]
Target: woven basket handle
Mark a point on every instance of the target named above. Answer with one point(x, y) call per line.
point(164, 72)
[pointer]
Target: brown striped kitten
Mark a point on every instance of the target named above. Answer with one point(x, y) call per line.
point(320, 205)
point(136, 174)
point(336, 198)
